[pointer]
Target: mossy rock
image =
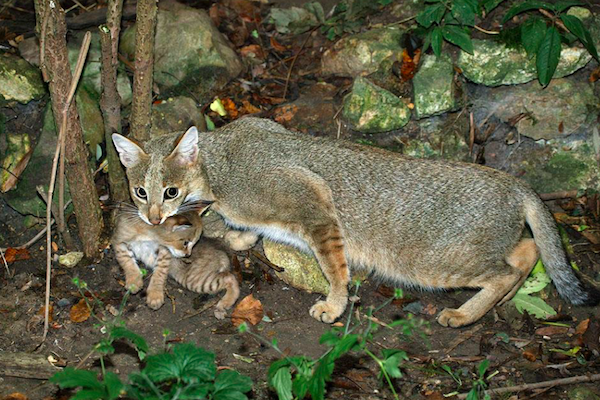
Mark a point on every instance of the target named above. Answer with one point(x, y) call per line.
point(176, 114)
point(19, 80)
point(434, 87)
point(371, 109)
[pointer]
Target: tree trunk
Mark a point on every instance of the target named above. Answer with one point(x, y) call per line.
point(141, 108)
point(111, 101)
point(57, 73)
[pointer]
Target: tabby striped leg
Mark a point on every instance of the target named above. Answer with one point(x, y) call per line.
point(133, 275)
point(156, 289)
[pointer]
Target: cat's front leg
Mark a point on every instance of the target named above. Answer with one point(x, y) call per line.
point(155, 294)
point(133, 276)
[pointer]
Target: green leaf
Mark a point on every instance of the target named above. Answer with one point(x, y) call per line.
point(533, 305)
point(330, 338)
point(548, 56)
point(282, 383)
point(575, 26)
point(231, 385)
point(526, 6)
point(210, 125)
point(316, 387)
point(391, 363)
point(561, 6)
point(300, 386)
point(472, 395)
point(483, 366)
point(464, 11)
point(187, 363)
point(139, 342)
point(195, 391)
point(458, 36)
point(436, 41)
point(532, 33)
point(346, 344)
point(489, 5)
point(431, 14)
point(72, 378)
point(113, 385)
point(535, 283)
point(89, 394)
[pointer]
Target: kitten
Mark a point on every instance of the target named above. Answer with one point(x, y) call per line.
point(169, 249)
point(430, 223)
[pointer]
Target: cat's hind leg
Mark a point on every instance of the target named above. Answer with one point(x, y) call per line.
point(523, 258)
point(227, 281)
point(126, 259)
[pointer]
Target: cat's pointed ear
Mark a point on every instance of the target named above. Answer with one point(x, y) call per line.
point(186, 151)
point(129, 152)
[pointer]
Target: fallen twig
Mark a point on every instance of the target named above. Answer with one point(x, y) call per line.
point(264, 260)
point(554, 19)
point(540, 385)
point(208, 305)
point(289, 75)
point(563, 194)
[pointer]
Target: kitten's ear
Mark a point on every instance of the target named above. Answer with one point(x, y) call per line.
point(129, 152)
point(186, 151)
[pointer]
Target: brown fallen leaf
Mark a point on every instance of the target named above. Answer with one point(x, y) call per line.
point(248, 310)
point(15, 396)
point(42, 312)
point(253, 50)
point(551, 330)
point(582, 327)
point(11, 255)
point(230, 107)
point(278, 47)
point(591, 235)
point(285, 113)
point(249, 108)
point(80, 312)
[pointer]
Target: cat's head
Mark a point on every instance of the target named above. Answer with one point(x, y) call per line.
point(164, 176)
point(181, 233)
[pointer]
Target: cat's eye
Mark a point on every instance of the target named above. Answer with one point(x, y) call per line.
point(186, 243)
point(141, 193)
point(171, 193)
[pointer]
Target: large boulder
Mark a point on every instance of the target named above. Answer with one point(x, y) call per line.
point(433, 87)
point(190, 54)
point(174, 115)
point(371, 109)
point(494, 64)
point(363, 53)
point(565, 107)
point(19, 80)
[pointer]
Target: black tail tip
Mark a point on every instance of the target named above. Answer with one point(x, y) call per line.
point(593, 295)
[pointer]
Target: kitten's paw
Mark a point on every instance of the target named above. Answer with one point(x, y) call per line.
point(220, 313)
point(155, 299)
point(240, 240)
point(453, 318)
point(326, 311)
point(134, 284)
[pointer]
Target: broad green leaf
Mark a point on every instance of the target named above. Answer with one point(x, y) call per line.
point(139, 342)
point(538, 268)
point(195, 391)
point(330, 338)
point(548, 56)
point(489, 5)
point(391, 363)
point(300, 386)
point(89, 394)
point(187, 363)
point(431, 14)
point(575, 26)
point(346, 344)
point(113, 385)
point(561, 6)
point(533, 305)
point(520, 7)
point(464, 11)
point(532, 33)
point(231, 385)
point(316, 388)
point(483, 366)
point(458, 36)
point(72, 378)
point(536, 281)
point(473, 394)
point(282, 382)
point(436, 41)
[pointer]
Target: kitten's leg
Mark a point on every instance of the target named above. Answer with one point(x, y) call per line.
point(240, 240)
point(133, 276)
point(523, 258)
point(225, 280)
point(156, 288)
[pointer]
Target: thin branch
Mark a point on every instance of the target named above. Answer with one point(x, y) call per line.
point(480, 29)
point(289, 74)
point(558, 22)
point(563, 194)
point(540, 385)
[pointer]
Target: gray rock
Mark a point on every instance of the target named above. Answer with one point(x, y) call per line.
point(433, 87)
point(565, 107)
point(62, 303)
point(17, 147)
point(175, 114)
point(296, 20)
point(494, 64)
point(362, 54)
point(438, 137)
point(190, 54)
point(582, 393)
point(371, 109)
point(19, 80)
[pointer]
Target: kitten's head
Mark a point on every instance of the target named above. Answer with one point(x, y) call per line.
point(164, 178)
point(181, 233)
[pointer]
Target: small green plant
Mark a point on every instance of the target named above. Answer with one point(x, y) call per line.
point(477, 392)
point(348, 16)
point(542, 37)
point(295, 377)
point(184, 371)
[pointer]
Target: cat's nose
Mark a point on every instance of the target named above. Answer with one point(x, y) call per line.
point(155, 221)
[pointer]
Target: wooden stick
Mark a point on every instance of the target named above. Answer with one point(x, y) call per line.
point(563, 194)
point(265, 261)
point(540, 385)
point(26, 365)
point(289, 75)
point(554, 19)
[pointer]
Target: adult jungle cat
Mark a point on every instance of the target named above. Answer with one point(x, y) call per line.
point(430, 223)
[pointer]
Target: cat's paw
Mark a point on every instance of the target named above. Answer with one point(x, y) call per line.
point(453, 318)
point(326, 311)
point(155, 299)
point(240, 240)
point(134, 284)
point(220, 313)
